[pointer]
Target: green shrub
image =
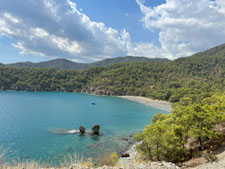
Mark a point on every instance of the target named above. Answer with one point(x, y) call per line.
point(110, 159)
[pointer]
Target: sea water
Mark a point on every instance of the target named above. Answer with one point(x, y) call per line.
point(35, 125)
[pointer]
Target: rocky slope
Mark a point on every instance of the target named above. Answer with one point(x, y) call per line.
point(218, 164)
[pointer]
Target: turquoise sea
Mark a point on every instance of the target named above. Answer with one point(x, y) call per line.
point(33, 124)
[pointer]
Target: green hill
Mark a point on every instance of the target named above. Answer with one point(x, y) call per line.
point(211, 61)
point(167, 81)
point(69, 65)
point(127, 59)
point(196, 76)
point(56, 64)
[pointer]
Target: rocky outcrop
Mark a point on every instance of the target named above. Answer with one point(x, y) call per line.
point(95, 129)
point(82, 130)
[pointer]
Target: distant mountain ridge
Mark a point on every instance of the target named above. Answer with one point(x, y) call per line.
point(69, 65)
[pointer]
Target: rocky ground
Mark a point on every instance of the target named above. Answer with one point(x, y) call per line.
point(129, 162)
point(197, 163)
point(218, 164)
point(150, 165)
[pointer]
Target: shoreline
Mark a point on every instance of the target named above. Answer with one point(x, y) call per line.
point(132, 152)
point(159, 104)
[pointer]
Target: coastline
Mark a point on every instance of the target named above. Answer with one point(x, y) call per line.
point(132, 152)
point(159, 104)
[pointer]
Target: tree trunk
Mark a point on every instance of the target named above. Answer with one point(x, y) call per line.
point(157, 148)
point(149, 151)
point(200, 142)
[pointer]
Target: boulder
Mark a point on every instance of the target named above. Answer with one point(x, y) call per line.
point(95, 129)
point(82, 130)
point(125, 155)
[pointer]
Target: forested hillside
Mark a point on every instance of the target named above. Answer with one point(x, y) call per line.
point(55, 64)
point(190, 130)
point(196, 76)
point(69, 65)
point(195, 127)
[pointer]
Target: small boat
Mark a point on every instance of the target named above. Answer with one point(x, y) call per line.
point(93, 103)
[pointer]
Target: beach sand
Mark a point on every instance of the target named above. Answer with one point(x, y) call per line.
point(159, 104)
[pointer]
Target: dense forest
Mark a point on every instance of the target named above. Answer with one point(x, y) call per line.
point(191, 130)
point(194, 84)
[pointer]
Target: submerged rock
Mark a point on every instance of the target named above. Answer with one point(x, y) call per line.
point(95, 129)
point(82, 130)
point(124, 139)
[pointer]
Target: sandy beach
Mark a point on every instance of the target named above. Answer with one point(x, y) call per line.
point(159, 104)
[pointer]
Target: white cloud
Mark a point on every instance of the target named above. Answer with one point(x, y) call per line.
point(21, 46)
point(186, 26)
point(59, 30)
point(10, 18)
point(141, 49)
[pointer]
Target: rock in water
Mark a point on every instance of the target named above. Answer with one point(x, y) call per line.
point(82, 130)
point(95, 129)
point(125, 139)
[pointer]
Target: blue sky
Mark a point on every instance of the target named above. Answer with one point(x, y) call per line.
point(120, 14)
point(91, 30)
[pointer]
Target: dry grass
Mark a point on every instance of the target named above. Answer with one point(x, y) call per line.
point(71, 160)
point(23, 165)
point(109, 159)
point(68, 162)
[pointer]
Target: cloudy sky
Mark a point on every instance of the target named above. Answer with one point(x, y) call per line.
point(91, 30)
